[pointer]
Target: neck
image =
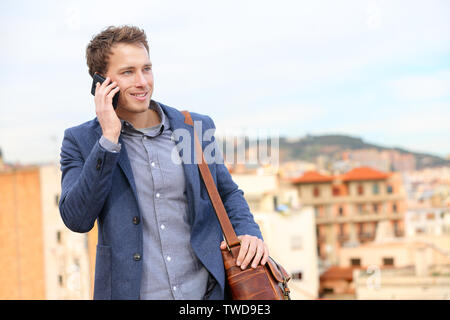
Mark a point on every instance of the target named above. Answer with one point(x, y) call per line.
point(148, 118)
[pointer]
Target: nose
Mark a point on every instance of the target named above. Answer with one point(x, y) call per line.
point(140, 80)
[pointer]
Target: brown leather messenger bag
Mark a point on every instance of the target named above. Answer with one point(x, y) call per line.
point(268, 282)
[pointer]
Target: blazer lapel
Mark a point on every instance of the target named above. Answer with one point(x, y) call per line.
point(123, 161)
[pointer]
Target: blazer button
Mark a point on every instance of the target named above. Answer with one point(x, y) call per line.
point(136, 220)
point(99, 164)
point(137, 257)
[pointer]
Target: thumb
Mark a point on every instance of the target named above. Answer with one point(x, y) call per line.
point(223, 245)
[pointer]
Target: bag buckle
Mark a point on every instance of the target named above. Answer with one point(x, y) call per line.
point(285, 289)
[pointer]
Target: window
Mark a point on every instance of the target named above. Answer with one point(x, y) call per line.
point(360, 208)
point(396, 228)
point(388, 261)
point(60, 280)
point(296, 275)
point(341, 211)
point(360, 189)
point(375, 189)
point(58, 236)
point(394, 207)
point(390, 189)
point(57, 200)
point(316, 192)
point(355, 262)
point(328, 291)
point(360, 228)
point(341, 229)
point(296, 243)
point(336, 191)
point(275, 203)
point(375, 207)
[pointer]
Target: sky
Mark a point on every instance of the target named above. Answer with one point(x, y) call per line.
point(378, 70)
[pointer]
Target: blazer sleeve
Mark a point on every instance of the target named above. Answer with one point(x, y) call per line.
point(85, 183)
point(233, 198)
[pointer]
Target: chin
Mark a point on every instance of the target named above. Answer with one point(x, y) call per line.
point(136, 107)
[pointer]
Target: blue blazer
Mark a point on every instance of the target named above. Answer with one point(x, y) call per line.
point(99, 185)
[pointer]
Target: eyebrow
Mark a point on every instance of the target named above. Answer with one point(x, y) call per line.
point(131, 67)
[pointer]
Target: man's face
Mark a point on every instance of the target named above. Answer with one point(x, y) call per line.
point(129, 65)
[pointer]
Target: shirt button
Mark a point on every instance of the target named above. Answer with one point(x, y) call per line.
point(137, 257)
point(158, 195)
point(175, 288)
point(136, 220)
point(153, 164)
point(163, 227)
point(169, 258)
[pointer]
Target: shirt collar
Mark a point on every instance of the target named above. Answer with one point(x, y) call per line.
point(154, 131)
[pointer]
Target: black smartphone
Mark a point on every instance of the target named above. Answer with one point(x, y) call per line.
point(98, 78)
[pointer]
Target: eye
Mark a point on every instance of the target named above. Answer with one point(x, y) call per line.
point(148, 68)
point(126, 72)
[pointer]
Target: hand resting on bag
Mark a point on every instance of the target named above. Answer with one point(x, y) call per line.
point(251, 248)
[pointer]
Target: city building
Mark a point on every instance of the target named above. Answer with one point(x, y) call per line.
point(349, 207)
point(382, 160)
point(390, 268)
point(410, 268)
point(292, 242)
point(40, 257)
point(427, 221)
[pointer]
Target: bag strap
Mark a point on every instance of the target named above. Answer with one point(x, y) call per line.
point(230, 236)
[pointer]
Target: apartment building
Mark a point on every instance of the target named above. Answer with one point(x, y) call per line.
point(292, 242)
point(409, 268)
point(40, 257)
point(349, 207)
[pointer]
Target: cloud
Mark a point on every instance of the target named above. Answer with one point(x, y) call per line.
point(420, 87)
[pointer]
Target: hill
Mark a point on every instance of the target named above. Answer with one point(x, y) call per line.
point(332, 146)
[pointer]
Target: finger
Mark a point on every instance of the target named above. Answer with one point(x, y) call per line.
point(109, 87)
point(97, 85)
point(243, 250)
point(102, 88)
point(266, 255)
point(259, 253)
point(113, 92)
point(105, 94)
point(106, 82)
point(250, 253)
point(223, 245)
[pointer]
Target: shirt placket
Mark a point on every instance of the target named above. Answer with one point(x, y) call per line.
point(160, 216)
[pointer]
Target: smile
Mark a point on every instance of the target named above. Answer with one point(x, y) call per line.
point(139, 96)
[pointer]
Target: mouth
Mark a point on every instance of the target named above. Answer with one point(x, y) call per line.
point(140, 96)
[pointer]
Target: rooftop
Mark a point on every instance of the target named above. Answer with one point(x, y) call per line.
point(311, 177)
point(357, 174)
point(364, 173)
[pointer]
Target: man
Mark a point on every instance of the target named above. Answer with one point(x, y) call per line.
point(158, 236)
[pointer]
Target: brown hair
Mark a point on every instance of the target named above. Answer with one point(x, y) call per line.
point(99, 49)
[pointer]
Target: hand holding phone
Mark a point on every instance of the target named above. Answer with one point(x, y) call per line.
point(104, 92)
point(98, 78)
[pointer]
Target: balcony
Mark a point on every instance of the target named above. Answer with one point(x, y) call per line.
point(343, 237)
point(329, 199)
point(358, 217)
point(366, 236)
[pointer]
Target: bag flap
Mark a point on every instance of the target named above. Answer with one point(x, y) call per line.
point(278, 272)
